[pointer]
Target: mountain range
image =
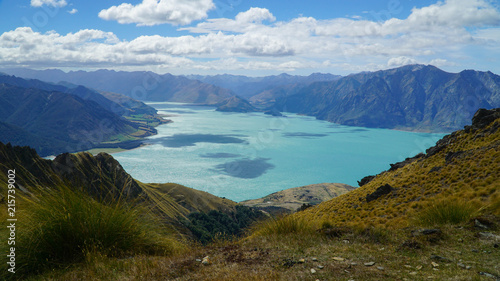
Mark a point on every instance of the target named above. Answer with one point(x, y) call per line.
point(54, 119)
point(413, 97)
point(247, 87)
point(139, 85)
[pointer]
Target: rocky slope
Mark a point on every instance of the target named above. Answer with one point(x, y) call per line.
point(463, 166)
point(414, 97)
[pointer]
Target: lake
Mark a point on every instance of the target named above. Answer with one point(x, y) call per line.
point(244, 156)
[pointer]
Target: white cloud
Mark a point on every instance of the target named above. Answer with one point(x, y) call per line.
point(73, 11)
point(155, 12)
point(456, 13)
point(400, 61)
point(256, 15)
point(441, 62)
point(53, 3)
point(255, 40)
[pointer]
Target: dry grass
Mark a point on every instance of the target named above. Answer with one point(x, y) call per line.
point(277, 258)
point(446, 212)
point(472, 176)
point(61, 226)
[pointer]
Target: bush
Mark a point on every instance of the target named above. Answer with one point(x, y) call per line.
point(64, 226)
point(449, 211)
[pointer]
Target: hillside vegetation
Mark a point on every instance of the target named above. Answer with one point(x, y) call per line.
point(463, 166)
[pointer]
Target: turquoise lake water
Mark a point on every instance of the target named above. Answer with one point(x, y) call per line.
point(246, 156)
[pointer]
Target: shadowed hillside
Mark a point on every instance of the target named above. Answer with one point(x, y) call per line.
point(413, 97)
point(55, 119)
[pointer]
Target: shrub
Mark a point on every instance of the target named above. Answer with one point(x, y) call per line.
point(448, 211)
point(63, 226)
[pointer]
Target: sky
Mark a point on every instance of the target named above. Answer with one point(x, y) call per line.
point(250, 37)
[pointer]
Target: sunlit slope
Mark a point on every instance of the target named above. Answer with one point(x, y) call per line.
point(293, 198)
point(177, 201)
point(462, 166)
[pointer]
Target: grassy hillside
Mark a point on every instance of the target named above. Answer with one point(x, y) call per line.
point(462, 167)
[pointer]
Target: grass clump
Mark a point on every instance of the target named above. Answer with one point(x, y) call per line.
point(285, 225)
point(63, 226)
point(446, 212)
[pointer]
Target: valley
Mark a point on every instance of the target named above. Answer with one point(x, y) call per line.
point(184, 157)
point(233, 140)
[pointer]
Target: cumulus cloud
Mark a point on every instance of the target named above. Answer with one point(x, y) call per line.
point(73, 11)
point(400, 61)
point(155, 12)
point(243, 22)
point(53, 3)
point(255, 15)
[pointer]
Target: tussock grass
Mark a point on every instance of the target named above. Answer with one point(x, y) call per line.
point(62, 226)
point(284, 226)
point(446, 212)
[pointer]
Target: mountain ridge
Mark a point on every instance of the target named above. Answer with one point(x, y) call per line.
point(413, 97)
point(55, 118)
point(102, 177)
point(139, 85)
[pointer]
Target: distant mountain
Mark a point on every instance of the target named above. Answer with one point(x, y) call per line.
point(133, 107)
point(139, 85)
point(80, 91)
point(34, 116)
point(414, 97)
point(116, 103)
point(19, 136)
point(267, 98)
point(235, 104)
point(248, 87)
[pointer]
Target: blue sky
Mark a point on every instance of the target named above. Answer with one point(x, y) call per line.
point(250, 37)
